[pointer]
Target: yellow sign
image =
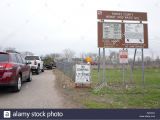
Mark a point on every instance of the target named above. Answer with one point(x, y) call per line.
point(88, 59)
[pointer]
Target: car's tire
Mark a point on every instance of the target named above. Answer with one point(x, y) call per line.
point(29, 77)
point(18, 85)
point(38, 70)
point(42, 69)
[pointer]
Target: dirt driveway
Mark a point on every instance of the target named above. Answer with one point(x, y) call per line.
point(40, 93)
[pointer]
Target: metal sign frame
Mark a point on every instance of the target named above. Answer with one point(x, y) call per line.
point(120, 43)
point(103, 43)
point(122, 15)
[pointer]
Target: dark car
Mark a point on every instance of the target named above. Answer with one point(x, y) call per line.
point(94, 63)
point(50, 65)
point(14, 70)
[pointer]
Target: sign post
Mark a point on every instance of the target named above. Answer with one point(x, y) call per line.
point(122, 34)
point(104, 67)
point(99, 63)
point(143, 84)
point(123, 59)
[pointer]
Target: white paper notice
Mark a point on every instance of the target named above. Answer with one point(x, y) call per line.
point(82, 73)
point(134, 33)
point(112, 31)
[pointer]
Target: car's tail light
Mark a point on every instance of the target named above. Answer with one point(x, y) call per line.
point(9, 66)
point(35, 62)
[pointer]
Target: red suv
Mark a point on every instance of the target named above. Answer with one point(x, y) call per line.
point(13, 70)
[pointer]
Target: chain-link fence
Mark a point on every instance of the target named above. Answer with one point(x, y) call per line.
point(66, 72)
point(121, 83)
point(68, 68)
point(116, 74)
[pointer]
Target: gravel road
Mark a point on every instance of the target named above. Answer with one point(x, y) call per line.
point(41, 92)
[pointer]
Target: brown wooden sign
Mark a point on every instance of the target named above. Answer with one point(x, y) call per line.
point(122, 35)
point(122, 15)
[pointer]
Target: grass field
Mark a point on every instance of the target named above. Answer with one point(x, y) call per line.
point(127, 93)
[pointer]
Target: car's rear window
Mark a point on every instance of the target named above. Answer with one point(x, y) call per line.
point(4, 57)
point(32, 58)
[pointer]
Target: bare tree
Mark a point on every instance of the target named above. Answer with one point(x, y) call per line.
point(68, 54)
point(148, 60)
point(113, 56)
point(157, 61)
point(55, 56)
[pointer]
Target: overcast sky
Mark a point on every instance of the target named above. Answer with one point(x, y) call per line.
point(49, 26)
